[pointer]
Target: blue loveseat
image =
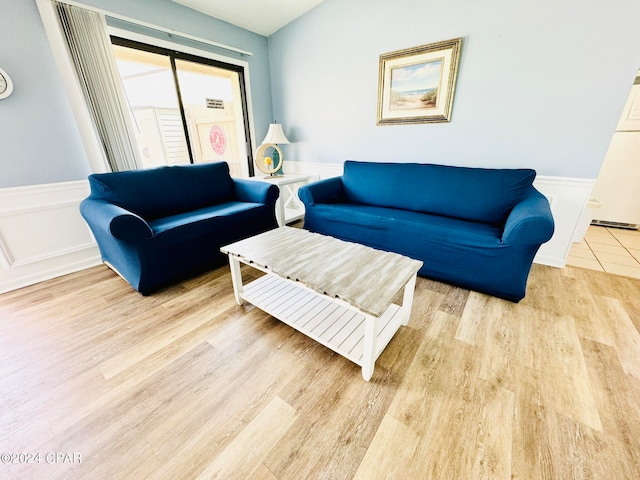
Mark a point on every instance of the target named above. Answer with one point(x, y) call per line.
point(158, 226)
point(472, 227)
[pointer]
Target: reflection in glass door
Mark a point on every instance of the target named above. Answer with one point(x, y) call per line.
point(184, 110)
point(212, 106)
point(150, 91)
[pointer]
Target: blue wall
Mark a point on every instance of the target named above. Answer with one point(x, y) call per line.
point(541, 83)
point(39, 140)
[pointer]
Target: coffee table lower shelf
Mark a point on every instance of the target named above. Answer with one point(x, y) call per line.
point(328, 321)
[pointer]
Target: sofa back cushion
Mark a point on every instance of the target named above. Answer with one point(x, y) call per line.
point(159, 192)
point(476, 194)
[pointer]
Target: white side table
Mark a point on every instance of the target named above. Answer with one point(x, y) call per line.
point(289, 208)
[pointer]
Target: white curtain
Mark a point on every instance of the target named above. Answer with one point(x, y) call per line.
point(90, 47)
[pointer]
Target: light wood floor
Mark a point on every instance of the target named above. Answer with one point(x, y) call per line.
point(186, 384)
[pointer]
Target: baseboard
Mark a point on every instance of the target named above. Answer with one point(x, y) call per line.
point(550, 261)
point(63, 267)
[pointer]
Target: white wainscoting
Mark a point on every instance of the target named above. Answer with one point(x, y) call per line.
point(567, 197)
point(42, 234)
point(317, 171)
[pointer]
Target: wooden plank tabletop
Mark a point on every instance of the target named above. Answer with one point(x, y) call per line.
point(365, 278)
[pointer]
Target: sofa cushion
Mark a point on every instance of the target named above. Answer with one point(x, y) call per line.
point(193, 218)
point(390, 229)
point(475, 194)
point(162, 191)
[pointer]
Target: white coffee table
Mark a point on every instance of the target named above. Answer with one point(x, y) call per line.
point(338, 293)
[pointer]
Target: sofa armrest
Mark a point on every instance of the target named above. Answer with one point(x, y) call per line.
point(530, 221)
point(256, 192)
point(106, 218)
point(329, 190)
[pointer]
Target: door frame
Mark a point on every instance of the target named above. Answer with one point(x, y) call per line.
point(177, 47)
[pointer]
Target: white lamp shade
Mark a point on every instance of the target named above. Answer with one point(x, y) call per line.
point(275, 135)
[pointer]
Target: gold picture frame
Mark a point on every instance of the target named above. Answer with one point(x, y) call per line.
point(416, 85)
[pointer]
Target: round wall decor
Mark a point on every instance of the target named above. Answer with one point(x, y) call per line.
point(268, 158)
point(6, 85)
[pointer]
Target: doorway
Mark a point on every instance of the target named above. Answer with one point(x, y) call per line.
point(184, 108)
point(616, 187)
point(613, 244)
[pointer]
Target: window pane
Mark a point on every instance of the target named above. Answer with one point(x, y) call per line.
point(153, 102)
point(212, 103)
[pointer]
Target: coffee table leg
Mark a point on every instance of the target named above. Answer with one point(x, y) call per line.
point(236, 278)
point(369, 346)
point(407, 300)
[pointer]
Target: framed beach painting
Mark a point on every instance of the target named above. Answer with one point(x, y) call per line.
point(416, 85)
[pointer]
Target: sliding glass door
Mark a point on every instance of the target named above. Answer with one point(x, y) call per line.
point(153, 102)
point(185, 109)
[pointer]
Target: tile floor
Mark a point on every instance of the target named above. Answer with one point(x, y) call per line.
point(611, 250)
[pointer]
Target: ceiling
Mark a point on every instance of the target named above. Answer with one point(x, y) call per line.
point(264, 17)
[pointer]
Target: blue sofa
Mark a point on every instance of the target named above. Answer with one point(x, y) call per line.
point(472, 227)
point(158, 226)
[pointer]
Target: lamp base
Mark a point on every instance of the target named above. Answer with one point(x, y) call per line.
point(274, 164)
